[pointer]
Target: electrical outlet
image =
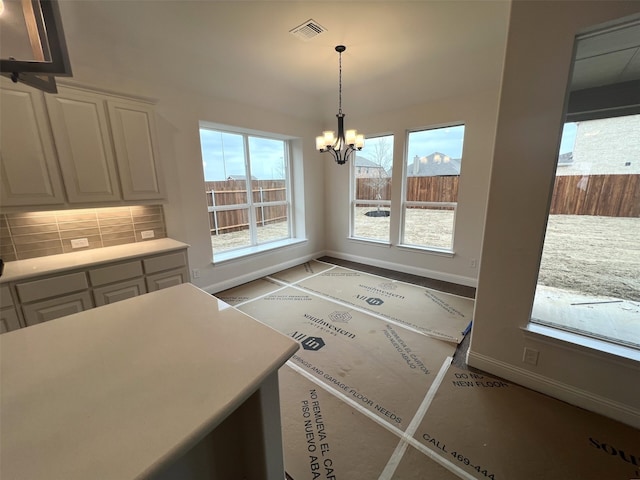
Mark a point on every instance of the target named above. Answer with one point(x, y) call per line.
point(79, 242)
point(147, 234)
point(530, 356)
point(195, 273)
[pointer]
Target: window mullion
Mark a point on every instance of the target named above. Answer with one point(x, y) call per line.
point(253, 221)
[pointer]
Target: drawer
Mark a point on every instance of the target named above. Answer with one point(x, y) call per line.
point(46, 310)
point(5, 296)
point(115, 273)
point(52, 287)
point(165, 262)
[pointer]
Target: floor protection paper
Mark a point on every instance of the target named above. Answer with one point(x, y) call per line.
point(379, 366)
point(415, 465)
point(497, 430)
point(434, 313)
point(248, 291)
point(300, 272)
point(326, 439)
point(366, 398)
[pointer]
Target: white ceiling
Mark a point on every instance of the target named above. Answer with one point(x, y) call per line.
point(398, 52)
point(608, 56)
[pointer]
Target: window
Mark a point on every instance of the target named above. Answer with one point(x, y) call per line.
point(371, 189)
point(247, 190)
point(589, 280)
point(432, 169)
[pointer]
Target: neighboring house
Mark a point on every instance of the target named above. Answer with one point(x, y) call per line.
point(365, 168)
point(609, 146)
point(435, 165)
point(240, 177)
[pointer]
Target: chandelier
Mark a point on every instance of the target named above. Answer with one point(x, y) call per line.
point(343, 146)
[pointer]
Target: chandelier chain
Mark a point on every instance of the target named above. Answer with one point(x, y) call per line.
point(340, 84)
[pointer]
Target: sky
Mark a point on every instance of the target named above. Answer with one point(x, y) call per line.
point(568, 137)
point(223, 156)
point(447, 140)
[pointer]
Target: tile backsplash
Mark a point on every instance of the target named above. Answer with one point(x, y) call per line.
point(37, 234)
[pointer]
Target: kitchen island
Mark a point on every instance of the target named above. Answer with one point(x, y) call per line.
point(171, 384)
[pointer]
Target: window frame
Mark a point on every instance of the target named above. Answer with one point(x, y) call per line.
point(562, 322)
point(404, 204)
point(250, 205)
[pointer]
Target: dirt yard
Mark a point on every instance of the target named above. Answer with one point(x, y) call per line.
point(597, 256)
point(594, 255)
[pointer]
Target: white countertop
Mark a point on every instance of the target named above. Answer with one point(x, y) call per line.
point(118, 391)
point(21, 269)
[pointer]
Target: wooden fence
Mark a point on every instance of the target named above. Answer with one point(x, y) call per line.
point(234, 192)
point(602, 195)
point(422, 189)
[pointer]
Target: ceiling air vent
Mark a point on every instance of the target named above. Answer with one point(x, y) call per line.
point(308, 30)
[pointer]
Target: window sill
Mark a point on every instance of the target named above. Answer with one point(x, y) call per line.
point(433, 250)
point(582, 343)
point(255, 250)
point(369, 241)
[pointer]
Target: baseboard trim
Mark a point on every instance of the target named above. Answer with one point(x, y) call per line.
point(567, 393)
point(399, 267)
point(256, 274)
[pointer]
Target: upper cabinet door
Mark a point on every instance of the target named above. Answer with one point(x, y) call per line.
point(28, 168)
point(134, 139)
point(81, 133)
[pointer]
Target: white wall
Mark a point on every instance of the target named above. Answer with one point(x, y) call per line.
point(478, 113)
point(530, 118)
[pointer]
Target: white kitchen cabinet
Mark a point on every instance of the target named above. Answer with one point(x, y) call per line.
point(168, 279)
point(134, 138)
point(118, 282)
point(5, 296)
point(81, 132)
point(28, 168)
point(167, 270)
point(51, 309)
point(96, 148)
point(9, 319)
point(66, 290)
point(119, 291)
point(48, 298)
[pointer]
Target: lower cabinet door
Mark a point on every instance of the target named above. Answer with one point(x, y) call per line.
point(46, 310)
point(168, 279)
point(119, 291)
point(8, 320)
